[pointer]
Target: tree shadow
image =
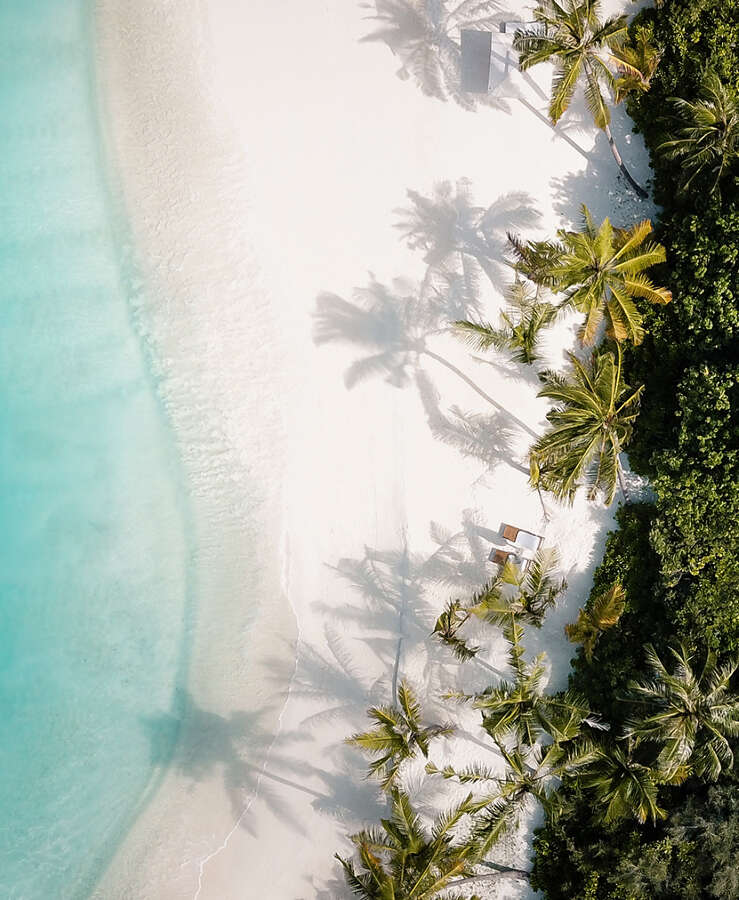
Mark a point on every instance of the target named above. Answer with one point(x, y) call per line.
point(455, 235)
point(393, 325)
point(486, 438)
point(331, 680)
point(390, 322)
point(424, 36)
point(404, 592)
point(235, 747)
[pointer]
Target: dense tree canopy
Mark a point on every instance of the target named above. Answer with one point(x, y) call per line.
point(677, 559)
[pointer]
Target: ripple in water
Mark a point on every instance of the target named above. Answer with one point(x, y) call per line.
point(93, 541)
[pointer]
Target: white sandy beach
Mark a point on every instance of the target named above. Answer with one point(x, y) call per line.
point(263, 151)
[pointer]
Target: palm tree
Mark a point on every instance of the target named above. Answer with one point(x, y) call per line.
point(601, 270)
point(603, 613)
point(622, 787)
point(447, 629)
point(527, 778)
point(537, 590)
point(575, 39)
point(706, 133)
point(402, 861)
point(692, 716)
point(519, 710)
point(522, 324)
point(636, 62)
point(490, 604)
point(535, 260)
point(398, 734)
point(532, 774)
point(591, 425)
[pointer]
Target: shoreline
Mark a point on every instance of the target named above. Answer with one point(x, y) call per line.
point(238, 648)
point(356, 499)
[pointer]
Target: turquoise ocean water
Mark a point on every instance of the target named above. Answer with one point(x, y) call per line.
point(94, 547)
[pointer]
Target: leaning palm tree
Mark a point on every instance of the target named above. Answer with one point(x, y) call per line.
point(704, 136)
point(602, 614)
point(518, 710)
point(636, 62)
point(532, 774)
point(591, 425)
point(536, 591)
point(402, 860)
point(600, 269)
point(521, 326)
point(398, 734)
point(571, 35)
point(691, 715)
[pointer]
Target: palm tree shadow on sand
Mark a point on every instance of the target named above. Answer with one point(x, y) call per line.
point(398, 607)
point(457, 236)
point(488, 438)
point(403, 593)
point(462, 244)
point(424, 36)
point(234, 747)
point(393, 325)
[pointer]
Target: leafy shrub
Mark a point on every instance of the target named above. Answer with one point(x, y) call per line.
point(678, 559)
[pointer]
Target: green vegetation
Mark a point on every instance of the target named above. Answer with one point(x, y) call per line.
point(533, 593)
point(605, 611)
point(575, 39)
point(521, 325)
point(691, 855)
point(691, 716)
point(398, 734)
point(635, 62)
point(402, 860)
point(633, 765)
point(591, 424)
point(704, 136)
point(678, 559)
point(600, 270)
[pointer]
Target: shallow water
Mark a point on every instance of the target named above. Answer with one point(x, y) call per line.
point(94, 547)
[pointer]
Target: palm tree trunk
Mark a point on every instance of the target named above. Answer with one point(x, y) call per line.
point(478, 390)
point(503, 873)
point(558, 132)
point(624, 171)
point(487, 666)
point(622, 482)
point(543, 505)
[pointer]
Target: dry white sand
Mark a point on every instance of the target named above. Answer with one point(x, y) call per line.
point(263, 150)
